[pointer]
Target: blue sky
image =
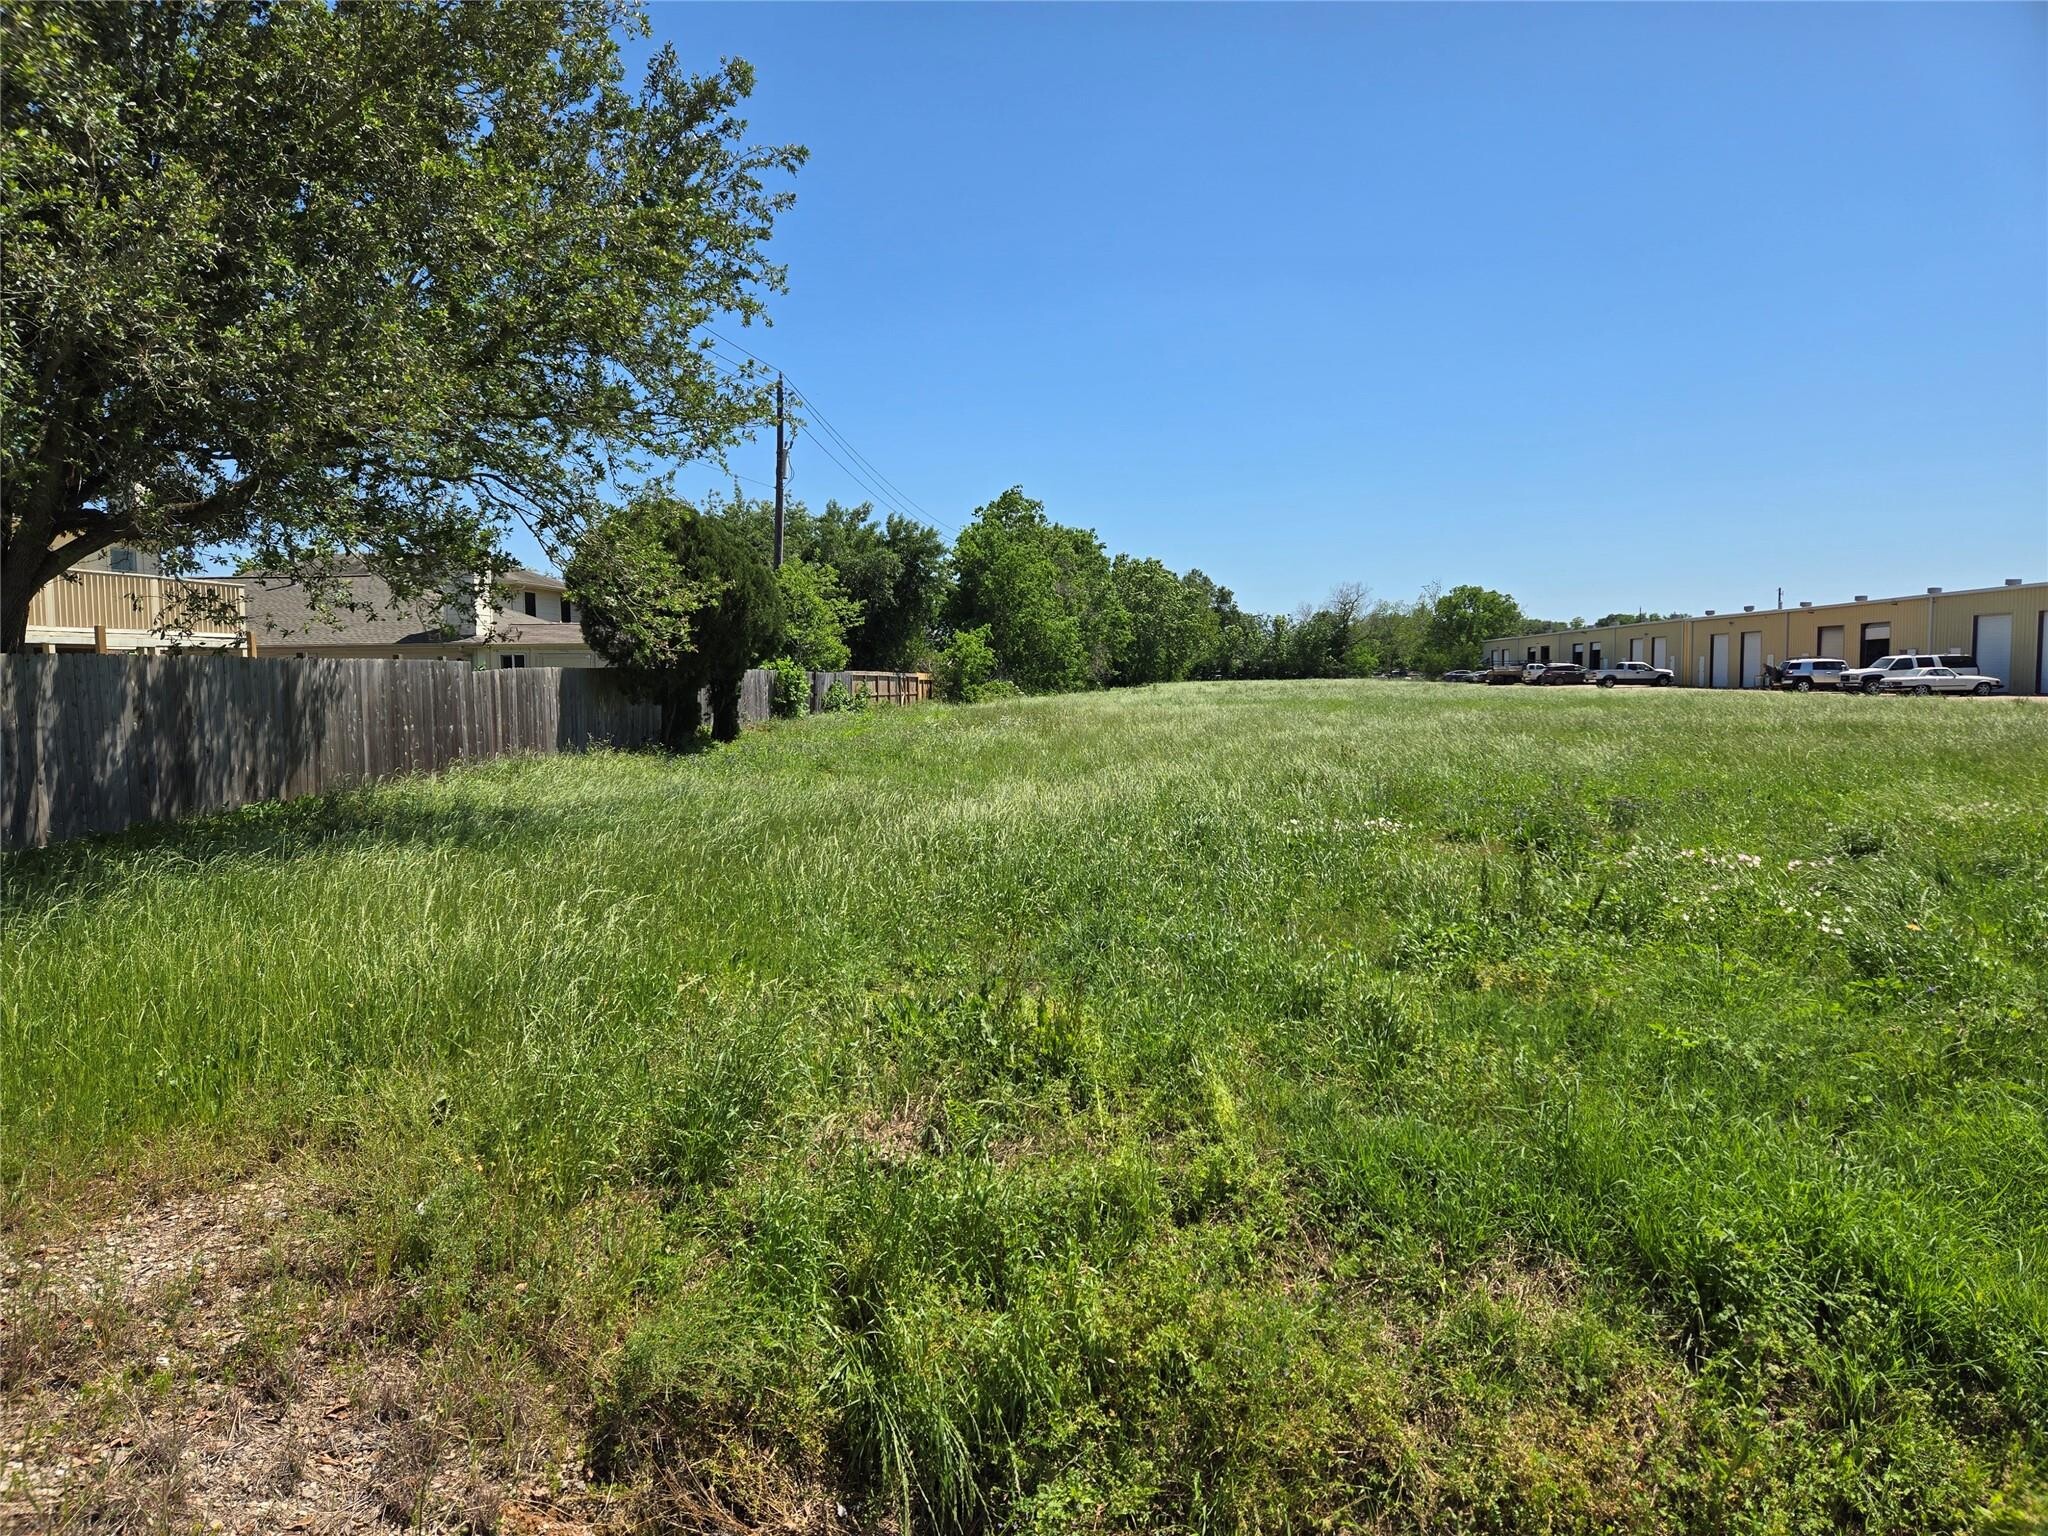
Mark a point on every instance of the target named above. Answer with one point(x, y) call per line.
point(1601, 306)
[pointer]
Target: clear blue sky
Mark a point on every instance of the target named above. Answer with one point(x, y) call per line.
point(1602, 306)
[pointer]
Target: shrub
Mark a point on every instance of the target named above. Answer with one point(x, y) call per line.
point(841, 700)
point(790, 693)
point(967, 667)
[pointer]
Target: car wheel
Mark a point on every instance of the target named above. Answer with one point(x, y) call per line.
point(1662, 682)
point(1981, 689)
point(1802, 686)
point(1606, 682)
point(1921, 691)
point(1870, 685)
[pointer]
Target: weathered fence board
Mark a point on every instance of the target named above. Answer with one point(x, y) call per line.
point(98, 743)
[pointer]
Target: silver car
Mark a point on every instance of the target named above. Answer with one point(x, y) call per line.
point(1927, 680)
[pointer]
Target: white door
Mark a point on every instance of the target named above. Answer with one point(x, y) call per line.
point(1993, 646)
point(1831, 643)
point(1660, 652)
point(1752, 658)
point(1635, 649)
point(1717, 661)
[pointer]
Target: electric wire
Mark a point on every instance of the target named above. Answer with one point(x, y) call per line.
point(874, 482)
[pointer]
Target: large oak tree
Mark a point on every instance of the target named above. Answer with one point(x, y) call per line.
point(363, 282)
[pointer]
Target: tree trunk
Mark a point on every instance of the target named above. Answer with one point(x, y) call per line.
point(725, 708)
point(19, 582)
point(680, 716)
point(30, 562)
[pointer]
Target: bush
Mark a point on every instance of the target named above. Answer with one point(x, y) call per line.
point(839, 699)
point(790, 694)
point(966, 668)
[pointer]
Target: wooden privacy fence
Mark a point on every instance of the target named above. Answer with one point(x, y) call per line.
point(98, 743)
point(882, 687)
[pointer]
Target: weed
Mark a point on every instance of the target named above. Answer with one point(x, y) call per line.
point(1272, 1107)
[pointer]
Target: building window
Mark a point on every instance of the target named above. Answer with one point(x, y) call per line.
point(121, 560)
point(532, 606)
point(512, 659)
point(568, 611)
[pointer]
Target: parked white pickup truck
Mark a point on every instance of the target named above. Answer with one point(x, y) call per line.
point(1640, 673)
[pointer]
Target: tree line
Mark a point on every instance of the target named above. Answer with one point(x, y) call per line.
point(686, 598)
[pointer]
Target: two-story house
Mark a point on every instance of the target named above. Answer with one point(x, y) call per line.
point(528, 622)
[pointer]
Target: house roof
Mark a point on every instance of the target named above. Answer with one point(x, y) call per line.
point(520, 576)
point(281, 610)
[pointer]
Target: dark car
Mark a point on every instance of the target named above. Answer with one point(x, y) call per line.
point(1559, 674)
point(1459, 675)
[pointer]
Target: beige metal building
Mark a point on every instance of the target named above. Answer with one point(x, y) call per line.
point(120, 600)
point(2002, 629)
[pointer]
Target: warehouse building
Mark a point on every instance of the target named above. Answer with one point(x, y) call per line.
point(2003, 630)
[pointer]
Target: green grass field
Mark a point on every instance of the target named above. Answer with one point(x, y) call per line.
point(1265, 1107)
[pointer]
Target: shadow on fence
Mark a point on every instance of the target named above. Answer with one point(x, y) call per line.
point(101, 743)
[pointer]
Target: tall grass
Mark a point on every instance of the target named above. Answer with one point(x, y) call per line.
point(1272, 1106)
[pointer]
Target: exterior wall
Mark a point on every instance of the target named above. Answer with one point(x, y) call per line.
point(137, 612)
point(286, 649)
point(1943, 623)
point(547, 602)
point(126, 559)
point(573, 658)
point(568, 656)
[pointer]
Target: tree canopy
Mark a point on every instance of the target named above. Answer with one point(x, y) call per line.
point(895, 572)
point(1045, 592)
point(681, 601)
point(372, 281)
point(816, 615)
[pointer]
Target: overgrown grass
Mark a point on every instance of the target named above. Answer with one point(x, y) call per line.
point(1268, 1107)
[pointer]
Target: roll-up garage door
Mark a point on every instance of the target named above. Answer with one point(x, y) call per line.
point(1992, 646)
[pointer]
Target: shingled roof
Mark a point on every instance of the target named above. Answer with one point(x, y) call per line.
point(282, 611)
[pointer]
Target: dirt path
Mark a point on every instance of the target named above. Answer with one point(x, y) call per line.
point(173, 1369)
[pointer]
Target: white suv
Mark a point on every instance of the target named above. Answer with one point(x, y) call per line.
point(1871, 677)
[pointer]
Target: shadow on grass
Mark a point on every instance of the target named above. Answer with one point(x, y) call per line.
point(281, 831)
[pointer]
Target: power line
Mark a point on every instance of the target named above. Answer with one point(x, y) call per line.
point(841, 438)
point(867, 485)
point(894, 497)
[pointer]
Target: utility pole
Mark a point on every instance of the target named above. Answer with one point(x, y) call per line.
point(781, 470)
